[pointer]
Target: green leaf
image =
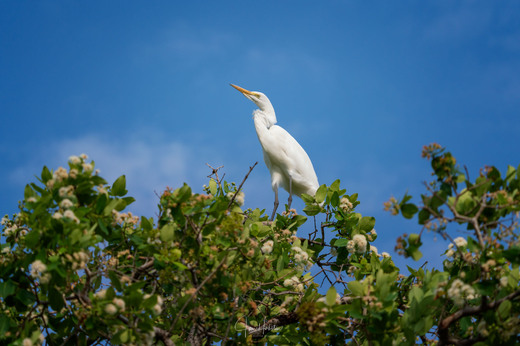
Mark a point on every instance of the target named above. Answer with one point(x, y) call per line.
point(46, 174)
point(335, 185)
point(321, 193)
point(307, 198)
point(213, 186)
point(356, 288)
point(28, 192)
point(55, 299)
point(146, 224)
point(367, 223)
point(5, 325)
point(183, 193)
point(280, 264)
point(167, 232)
point(115, 280)
point(504, 310)
point(510, 175)
point(409, 210)
point(7, 288)
point(119, 187)
point(32, 238)
point(312, 209)
point(341, 242)
point(424, 215)
point(513, 254)
point(330, 298)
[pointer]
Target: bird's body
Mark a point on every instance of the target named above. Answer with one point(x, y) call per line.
point(289, 165)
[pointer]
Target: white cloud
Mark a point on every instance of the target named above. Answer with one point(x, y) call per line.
point(150, 164)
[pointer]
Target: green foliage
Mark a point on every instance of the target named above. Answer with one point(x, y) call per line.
point(76, 268)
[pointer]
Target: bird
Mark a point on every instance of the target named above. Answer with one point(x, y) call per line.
point(289, 165)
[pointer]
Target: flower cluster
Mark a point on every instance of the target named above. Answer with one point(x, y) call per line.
point(372, 235)
point(67, 215)
point(459, 242)
point(285, 234)
point(295, 283)
point(301, 258)
point(459, 292)
point(345, 204)
point(38, 271)
point(78, 259)
point(358, 244)
point(117, 305)
point(121, 218)
point(267, 248)
point(239, 198)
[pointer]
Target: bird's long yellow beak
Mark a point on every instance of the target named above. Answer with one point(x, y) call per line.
point(242, 90)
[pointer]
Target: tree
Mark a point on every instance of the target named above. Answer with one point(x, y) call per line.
point(77, 269)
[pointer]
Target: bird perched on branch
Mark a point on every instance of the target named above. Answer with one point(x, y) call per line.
point(288, 163)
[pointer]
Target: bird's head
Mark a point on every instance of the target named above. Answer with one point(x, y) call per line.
point(257, 97)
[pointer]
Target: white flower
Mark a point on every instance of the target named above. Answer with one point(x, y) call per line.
point(459, 292)
point(239, 198)
point(110, 309)
point(50, 183)
point(60, 174)
point(74, 160)
point(374, 250)
point(66, 191)
point(27, 342)
point(345, 204)
point(101, 294)
point(120, 303)
point(57, 215)
point(87, 167)
point(37, 269)
point(73, 173)
point(358, 244)
point(45, 278)
point(84, 156)
point(503, 281)
point(5, 220)
point(31, 199)
point(385, 255)
point(69, 214)
point(482, 330)
point(291, 282)
point(372, 235)
point(267, 248)
point(10, 230)
point(157, 308)
point(460, 242)
point(66, 204)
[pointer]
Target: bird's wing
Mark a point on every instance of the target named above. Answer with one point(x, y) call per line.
point(285, 153)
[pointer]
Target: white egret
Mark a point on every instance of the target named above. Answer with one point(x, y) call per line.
point(288, 163)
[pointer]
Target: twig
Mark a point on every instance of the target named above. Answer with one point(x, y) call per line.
point(242, 183)
point(273, 323)
point(214, 171)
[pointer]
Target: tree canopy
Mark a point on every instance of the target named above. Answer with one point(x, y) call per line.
point(76, 268)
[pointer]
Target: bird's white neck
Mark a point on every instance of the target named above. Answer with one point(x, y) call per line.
point(264, 118)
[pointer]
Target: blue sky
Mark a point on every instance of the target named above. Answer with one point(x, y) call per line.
point(143, 89)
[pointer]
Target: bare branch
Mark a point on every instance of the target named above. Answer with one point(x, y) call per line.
point(241, 184)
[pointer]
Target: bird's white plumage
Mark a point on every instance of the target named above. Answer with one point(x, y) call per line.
point(290, 166)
